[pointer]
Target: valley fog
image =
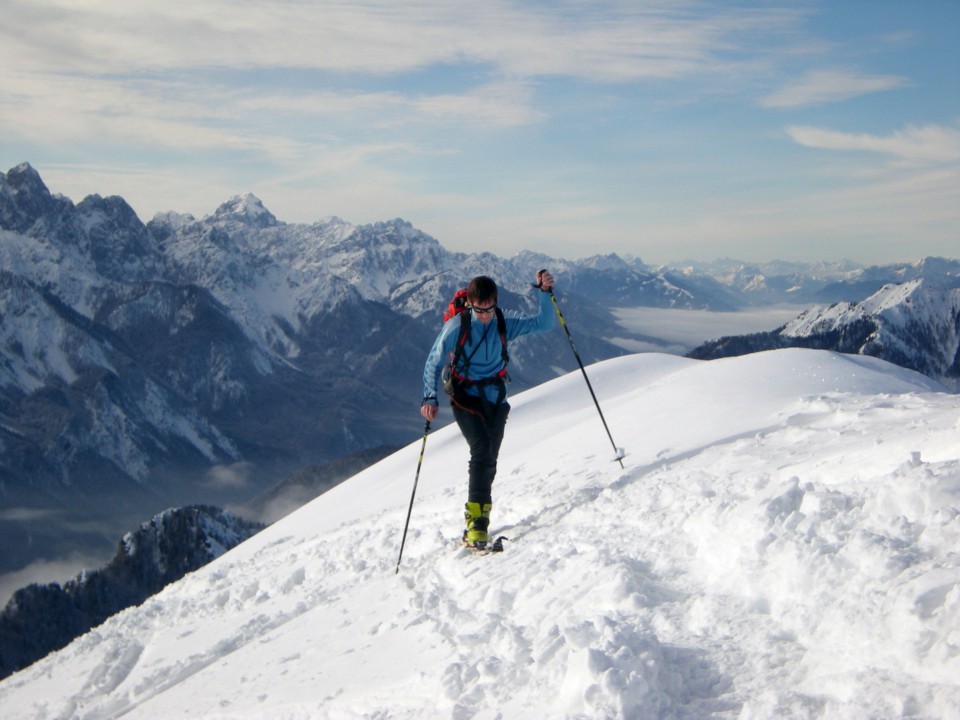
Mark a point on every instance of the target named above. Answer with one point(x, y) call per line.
point(679, 331)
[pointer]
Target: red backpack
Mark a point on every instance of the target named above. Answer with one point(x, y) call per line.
point(457, 305)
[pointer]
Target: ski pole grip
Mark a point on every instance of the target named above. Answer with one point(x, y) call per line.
point(539, 283)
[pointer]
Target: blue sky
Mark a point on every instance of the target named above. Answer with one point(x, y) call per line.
point(806, 130)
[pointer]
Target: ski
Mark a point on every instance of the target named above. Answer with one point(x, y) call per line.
point(486, 548)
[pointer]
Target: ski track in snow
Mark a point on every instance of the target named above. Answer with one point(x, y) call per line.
point(796, 558)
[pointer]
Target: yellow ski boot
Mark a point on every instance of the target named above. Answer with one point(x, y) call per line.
point(477, 518)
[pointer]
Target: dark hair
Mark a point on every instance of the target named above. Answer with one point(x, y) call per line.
point(482, 289)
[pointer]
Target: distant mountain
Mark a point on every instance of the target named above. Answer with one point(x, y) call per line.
point(915, 324)
point(753, 284)
point(43, 618)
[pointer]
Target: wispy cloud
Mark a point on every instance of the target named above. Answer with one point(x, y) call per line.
point(236, 475)
point(927, 144)
point(825, 86)
point(192, 75)
point(18, 514)
point(607, 40)
point(501, 104)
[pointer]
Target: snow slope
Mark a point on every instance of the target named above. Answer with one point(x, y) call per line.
point(782, 543)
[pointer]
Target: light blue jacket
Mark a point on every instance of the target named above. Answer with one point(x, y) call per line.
point(486, 360)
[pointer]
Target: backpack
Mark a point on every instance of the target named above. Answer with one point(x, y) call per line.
point(453, 380)
point(457, 305)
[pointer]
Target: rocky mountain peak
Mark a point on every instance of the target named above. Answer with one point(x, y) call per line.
point(611, 261)
point(248, 209)
point(24, 199)
point(24, 176)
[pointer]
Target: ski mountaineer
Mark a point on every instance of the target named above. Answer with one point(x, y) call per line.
point(470, 354)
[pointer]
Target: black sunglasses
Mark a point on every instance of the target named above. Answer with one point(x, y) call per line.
point(484, 311)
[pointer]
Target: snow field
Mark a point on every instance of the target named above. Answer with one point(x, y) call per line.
point(782, 543)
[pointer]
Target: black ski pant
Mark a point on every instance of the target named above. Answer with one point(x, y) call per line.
point(483, 433)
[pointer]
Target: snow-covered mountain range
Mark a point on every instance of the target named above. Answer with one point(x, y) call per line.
point(915, 324)
point(186, 360)
point(781, 543)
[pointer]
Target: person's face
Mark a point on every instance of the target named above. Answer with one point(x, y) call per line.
point(484, 311)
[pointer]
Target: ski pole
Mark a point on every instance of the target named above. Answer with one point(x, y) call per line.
point(416, 479)
point(617, 451)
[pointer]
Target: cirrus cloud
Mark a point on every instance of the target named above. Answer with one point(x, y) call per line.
point(927, 144)
point(825, 86)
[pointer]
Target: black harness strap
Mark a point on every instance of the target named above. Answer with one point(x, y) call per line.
point(462, 341)
point(460, 377)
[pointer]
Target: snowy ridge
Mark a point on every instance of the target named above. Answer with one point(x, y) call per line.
point(915, 324)
point(782, 543)
point(894, 304)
